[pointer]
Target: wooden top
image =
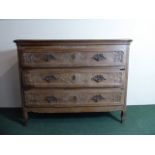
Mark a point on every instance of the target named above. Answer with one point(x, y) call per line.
point(73, 42)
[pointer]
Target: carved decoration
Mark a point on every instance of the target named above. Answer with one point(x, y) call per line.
point(49, 57)
point(49, 78)
point(78, 98)
point(118, 56)
point(97, 98)
point(99, 57)
point(117, 97)
point(29, 57)
point(118, 77)
point(51, 99)
point(98, 78)
point(32, 58)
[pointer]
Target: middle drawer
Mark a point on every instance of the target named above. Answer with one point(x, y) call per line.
point(73, 77)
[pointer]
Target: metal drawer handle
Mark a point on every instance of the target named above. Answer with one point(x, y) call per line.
point(51, 99)
point(49, 78)
point(49, 57)
point(97, 98)
point(99, 57)
point(98, 78)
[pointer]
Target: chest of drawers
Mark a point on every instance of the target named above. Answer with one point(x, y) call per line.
point(73, 76)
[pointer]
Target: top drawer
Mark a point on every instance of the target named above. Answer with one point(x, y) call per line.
point(74, 57)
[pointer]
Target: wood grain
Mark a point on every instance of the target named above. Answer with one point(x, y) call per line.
point(75, 58)
point(69, 97)
point(74, 77)
point(74, 109)
point(67, 76)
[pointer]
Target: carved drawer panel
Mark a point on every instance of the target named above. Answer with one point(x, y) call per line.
point(76, 97)
point(74, 78)
point(77, 58)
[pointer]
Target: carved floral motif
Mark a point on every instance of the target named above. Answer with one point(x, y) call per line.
point(49, 78)
point(98, 78)
point(49, 57)
point(51, 99)
point(29, 57)
point(32, 58)
point(97, 98)
point(118, 56)
point(98, 57)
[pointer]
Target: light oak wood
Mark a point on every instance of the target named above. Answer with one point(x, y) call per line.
point(69, 76)
point(74, 77)
point(73, 58)
point(71, 98)
point(74, 109)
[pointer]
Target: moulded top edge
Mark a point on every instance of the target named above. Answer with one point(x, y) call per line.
point(82, 41)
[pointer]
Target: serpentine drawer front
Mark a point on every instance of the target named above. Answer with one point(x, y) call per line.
point(73, 98)
point(73, 75)
point(75, 58)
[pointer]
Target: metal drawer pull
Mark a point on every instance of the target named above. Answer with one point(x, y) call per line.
point(97, 98)
point(98, 78)
point(49, 57)
point(49, 78)
point(51, 99)
point(99, 57)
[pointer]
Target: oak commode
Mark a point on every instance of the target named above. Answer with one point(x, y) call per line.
point(72, 76)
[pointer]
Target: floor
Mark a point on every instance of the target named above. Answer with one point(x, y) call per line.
point(140, 120)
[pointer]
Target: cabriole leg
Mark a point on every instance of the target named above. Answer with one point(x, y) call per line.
point(122, 116)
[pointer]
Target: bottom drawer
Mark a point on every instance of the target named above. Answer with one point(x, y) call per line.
point(73, 97)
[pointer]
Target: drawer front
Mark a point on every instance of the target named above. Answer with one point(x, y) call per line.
point(70, 59)
point(73, 97)
point(74, 77)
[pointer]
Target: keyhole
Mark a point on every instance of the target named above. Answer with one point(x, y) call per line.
point(74, 98)
point(73, 56)
point(73, 77)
